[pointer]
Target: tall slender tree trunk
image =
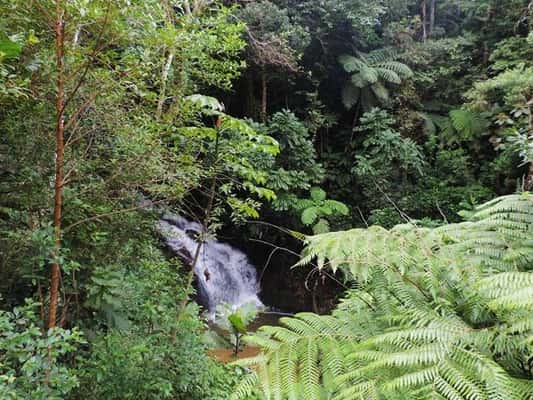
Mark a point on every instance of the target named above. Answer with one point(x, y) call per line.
point(432, 16)
point(264, 96)
point(486, 53)
point(163, 88)
point(487, 28)
point(424, 20)
point(187, 8)
point(58, 184)
point(165, 70)
point(250, 101)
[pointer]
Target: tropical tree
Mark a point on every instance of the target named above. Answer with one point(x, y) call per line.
point(370, 75)
point(111, 139)
point(274, 43)
point(296, 167)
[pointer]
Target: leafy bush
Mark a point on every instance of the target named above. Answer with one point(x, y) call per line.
point(510, 53)
point(32, 365)
point(296, 167)
point(386, 217)
point(385, 154)
point(153, 366)
point(317, 209)
point(148, 347)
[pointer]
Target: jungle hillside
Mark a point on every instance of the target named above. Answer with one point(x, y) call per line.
point(266, 199)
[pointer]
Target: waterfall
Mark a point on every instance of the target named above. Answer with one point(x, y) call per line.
point(223, 273)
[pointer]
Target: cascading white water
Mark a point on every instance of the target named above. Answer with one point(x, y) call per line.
point(223, 273)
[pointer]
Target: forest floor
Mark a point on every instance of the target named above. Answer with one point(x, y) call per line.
point(226, 355)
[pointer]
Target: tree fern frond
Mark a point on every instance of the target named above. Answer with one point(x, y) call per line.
point(442, 313)
point(262, 341)
point(289, 371)
point(463, 384)
point(413, 379)
point(446, 390)
point(521, 299)
point(368, 75)
point(246, 386)
point(351, 63)
point(276, 379)
point(380, 92)
point(419, 356)
point(360, 391)
point(310, 372)
point(506, 283)
point(468, 123)
point(402, 70)
point(388, 75)
point(381, 55)
point(522, 326)
point(350, 95)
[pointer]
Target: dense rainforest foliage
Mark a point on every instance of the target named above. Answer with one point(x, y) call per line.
point(389, 143)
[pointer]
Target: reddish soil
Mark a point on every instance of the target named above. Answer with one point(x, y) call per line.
point(227, 356)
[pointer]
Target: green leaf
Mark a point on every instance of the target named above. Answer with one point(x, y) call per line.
point(206, 103)
point(322, 226)
point(309, 215)
point(468, 123)
point(318, 194)
point(237, 323)
point(350, 63)
point(380, 92)
point(350, 95)
point(369, 75)
point(8, 48)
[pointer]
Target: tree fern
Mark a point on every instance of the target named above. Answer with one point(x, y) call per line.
point(442, 313)
point(468, 124)
point(369, 75)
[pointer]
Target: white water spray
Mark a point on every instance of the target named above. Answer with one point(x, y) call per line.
point(223, 273)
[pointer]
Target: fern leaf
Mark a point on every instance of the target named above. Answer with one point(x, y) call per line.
point(350, 95)
point(388, 75)
point(468, 123)
point(443, 313)
point(400, 69)
point(350, 63)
